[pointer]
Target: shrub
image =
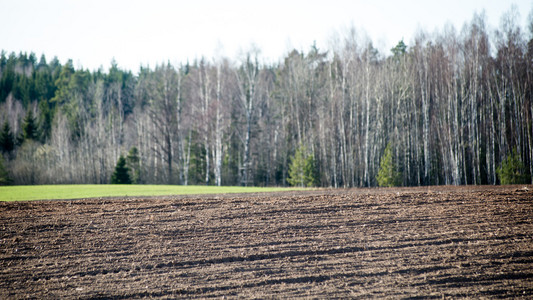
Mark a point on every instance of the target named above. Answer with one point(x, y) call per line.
point(512, 170)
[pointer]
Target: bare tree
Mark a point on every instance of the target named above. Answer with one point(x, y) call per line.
point(247, 78)
point(163, 110)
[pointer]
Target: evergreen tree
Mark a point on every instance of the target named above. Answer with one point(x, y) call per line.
point(296, 169)
point(6, 83)
point(46, 117)
point(7, 140)
point(512, 170)
point(133, 164)
point(29, 127)
point(387, 176)
point(302, 171)
point(121, 174)
point(311, 171)
point(399, 50)
point(62, 83)
point(4, 177)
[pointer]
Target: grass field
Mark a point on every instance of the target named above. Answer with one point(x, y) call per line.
point(43, 192)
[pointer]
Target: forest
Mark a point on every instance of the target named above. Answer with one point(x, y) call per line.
point(453, 108)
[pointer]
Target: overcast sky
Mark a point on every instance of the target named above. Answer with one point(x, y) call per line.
point(94, 32)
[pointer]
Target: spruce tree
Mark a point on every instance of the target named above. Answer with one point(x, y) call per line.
point(121, 174)
point(29, 127)
point(311, 171)
point(4, 176)
point(302, 171)
point(133, 164)
point(296, 169)
point(45, 121)
point(7, 140)
point(387, 176)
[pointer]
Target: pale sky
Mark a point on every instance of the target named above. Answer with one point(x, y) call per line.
point(93, 32)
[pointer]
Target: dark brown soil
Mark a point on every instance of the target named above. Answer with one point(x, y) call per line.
point(435, 242)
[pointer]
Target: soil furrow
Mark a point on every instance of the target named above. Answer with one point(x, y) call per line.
point(429, 242)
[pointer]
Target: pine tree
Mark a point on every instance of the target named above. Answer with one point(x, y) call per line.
point(7, 140)
point(387, 175)
point(399, 50)
point(121, 174)
point(512, 170)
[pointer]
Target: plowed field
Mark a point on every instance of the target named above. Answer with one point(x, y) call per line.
point(437, 242)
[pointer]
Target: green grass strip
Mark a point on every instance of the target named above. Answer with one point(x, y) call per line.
point(44, 192)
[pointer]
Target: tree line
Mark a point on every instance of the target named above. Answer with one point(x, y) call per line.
point(454, 107)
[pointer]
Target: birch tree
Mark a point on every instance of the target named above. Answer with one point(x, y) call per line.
point(247, 79)
point(164, 99)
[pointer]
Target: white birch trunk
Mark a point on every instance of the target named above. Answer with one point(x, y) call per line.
point(218, 132)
